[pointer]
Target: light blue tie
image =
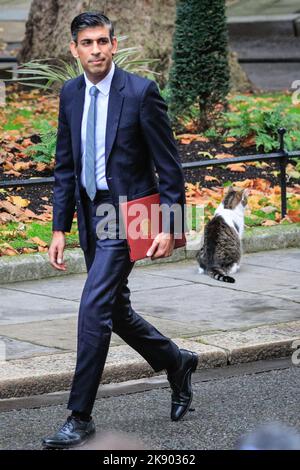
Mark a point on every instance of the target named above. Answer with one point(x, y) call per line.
point(90, 155)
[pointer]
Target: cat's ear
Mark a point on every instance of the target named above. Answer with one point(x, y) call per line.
point(230, 190)
point(246, 192)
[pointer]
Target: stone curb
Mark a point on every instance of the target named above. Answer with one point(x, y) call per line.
point(54, 372)
point(37, 266)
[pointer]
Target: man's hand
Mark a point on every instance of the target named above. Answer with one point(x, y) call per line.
point(162, 246)
point(56, 250)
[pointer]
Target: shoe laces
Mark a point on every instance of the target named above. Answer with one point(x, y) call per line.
point(68, 426)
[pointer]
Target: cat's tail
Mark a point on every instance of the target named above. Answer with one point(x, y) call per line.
point(219, 275)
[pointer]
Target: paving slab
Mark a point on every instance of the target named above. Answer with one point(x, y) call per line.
point(287, 260)
point(22, 307)
point(257, 273)
point(258, 343)
point(212, 307)
point(62, 333)
point(14, 349)
point(70, 287)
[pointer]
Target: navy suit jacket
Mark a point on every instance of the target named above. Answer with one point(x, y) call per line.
point(141, 155)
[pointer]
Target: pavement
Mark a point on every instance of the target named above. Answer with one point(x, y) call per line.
point(228, 403)
point(256, 318)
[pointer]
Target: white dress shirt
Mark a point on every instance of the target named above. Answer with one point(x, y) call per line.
point(101, 117)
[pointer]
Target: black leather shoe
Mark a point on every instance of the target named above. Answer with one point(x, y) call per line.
point(181, 384)
point(74, 432)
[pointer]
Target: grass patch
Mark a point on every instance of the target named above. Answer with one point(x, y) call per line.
point(18, 235)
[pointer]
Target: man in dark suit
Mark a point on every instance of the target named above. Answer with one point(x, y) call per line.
point(113, 132)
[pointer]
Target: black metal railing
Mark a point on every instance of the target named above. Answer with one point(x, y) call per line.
point(281, 155)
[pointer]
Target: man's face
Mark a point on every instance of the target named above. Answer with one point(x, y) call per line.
point(95, 51)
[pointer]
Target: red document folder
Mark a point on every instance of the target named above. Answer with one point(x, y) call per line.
point(142, 223)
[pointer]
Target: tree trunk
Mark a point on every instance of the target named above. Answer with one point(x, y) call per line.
point(48, 29)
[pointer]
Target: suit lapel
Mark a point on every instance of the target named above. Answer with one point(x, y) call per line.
point(77, 112)
point(115, 104)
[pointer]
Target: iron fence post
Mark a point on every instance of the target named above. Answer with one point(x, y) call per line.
point(283, 162)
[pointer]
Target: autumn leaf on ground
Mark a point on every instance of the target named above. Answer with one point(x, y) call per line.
point(5, 217)
point(201, 138)
point(261, 184)
point(42, 249)
point(236, 167)
point(211, 178)
point(13, 172)
point(11, 208)
point(248, 142)
point(294, 215)
point(18, 201)
point(21, 166)
point(247, 183)
point(26, 143)
point(8, 165)
point(28, 250)
point(7, 250)
point(38, 241)
point(268, 223)
point(186, 139)
point(40, 166)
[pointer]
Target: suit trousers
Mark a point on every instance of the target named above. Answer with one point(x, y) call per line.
point(105, 307)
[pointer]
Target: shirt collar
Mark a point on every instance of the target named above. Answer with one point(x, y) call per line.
point(104, 84)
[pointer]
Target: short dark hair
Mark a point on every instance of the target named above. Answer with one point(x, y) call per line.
point(90, 19)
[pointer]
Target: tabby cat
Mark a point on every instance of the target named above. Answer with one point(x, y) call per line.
point(221, 250)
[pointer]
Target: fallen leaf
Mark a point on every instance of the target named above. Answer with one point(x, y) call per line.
point(236, 167)
point(41, 166)
point(42, 249)
point(5, 217)
point(38, 241)
point(19, 201)
point(211, 178)
point(294, 215)
point(268, 223)
point(11, 208)
point(27, 250)
point(21, 166)
point(7, 250)
point(248, 142)
point(13, 172)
